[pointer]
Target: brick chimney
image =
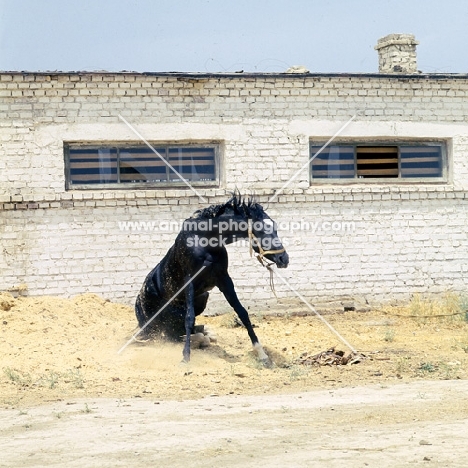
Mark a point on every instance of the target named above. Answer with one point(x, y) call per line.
point(397, 53)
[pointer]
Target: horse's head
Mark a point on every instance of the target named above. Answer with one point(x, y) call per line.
point(240, 218)
point(264, 238)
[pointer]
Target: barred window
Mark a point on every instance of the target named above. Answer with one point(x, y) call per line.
point(423, 162)
point(88, 166)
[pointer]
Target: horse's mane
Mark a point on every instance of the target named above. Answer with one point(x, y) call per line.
point(247, 207)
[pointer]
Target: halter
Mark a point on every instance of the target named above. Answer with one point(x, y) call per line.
point(261, 254)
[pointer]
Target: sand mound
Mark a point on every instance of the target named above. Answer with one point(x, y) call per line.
point(54, 348)
point(7, 301)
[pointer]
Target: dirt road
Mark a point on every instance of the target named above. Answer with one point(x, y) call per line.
point(421, 423)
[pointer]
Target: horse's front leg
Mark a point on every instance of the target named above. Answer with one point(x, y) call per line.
point(226, 286)
point(189, 319)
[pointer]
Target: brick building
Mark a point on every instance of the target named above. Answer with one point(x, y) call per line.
point(380, 214)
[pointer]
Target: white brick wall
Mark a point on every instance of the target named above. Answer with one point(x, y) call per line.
point(406, 239)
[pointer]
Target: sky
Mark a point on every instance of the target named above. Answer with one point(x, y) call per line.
point(325, 36)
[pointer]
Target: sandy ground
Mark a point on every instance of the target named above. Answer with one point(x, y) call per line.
point(69, 398)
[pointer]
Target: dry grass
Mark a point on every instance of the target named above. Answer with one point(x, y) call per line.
point(450, 308)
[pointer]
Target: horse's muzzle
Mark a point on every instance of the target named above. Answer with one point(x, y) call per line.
point(281, 260)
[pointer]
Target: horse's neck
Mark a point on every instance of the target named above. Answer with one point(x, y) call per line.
point(229, 228)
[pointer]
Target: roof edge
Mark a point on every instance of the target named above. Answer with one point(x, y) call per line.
point(195, 75)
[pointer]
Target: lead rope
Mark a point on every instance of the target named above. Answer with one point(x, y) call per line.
point(261, 255)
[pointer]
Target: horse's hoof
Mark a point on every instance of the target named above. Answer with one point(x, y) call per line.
point(211, 335)
point(199, 340)
point(267, 363)
point(142, 336)
point(142, 340)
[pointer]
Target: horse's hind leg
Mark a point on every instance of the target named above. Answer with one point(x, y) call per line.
point(168, 323)
point(142, 320)
point(139, 312)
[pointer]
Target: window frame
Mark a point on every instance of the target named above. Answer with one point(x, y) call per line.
point(215, 145)
point(399, 143)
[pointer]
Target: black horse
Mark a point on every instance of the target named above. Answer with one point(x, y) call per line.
point(177, 289)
